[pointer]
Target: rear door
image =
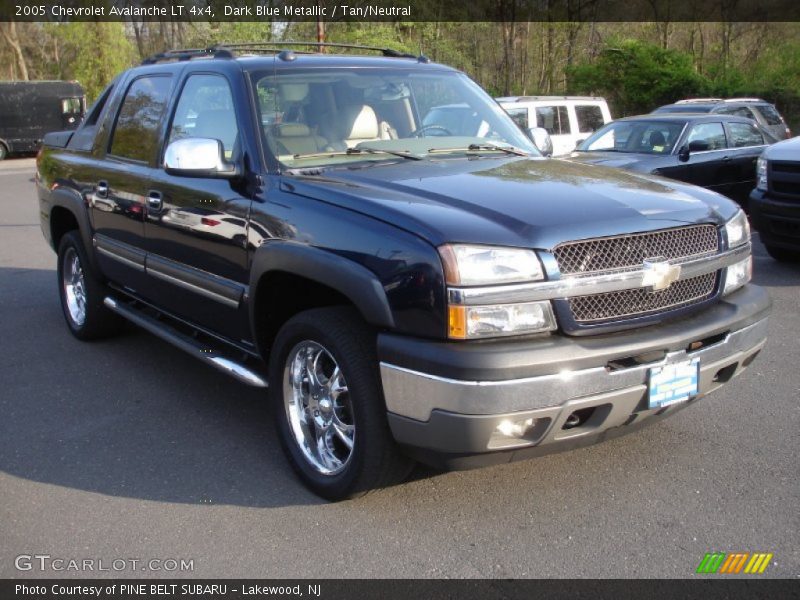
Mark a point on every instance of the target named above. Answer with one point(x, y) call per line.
point(121, 180)
point(746, 143)
point(709, 168)
point(197, 227)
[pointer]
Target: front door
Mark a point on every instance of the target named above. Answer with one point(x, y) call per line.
point(196, 227)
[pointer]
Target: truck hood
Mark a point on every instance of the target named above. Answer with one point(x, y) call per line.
point(786, 150)
point(618, 160)
point(511, 201)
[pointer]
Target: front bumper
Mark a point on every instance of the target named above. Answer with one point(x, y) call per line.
point(777, 220)
point(447, 413)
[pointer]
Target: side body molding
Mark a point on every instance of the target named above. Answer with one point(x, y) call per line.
point(352, 280)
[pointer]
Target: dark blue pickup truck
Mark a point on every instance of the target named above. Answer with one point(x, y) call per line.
point(409, 292)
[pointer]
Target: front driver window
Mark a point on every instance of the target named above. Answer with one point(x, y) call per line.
point(205, 110)
point(711, 133)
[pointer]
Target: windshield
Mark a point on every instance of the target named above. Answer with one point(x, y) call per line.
point(646, 137)
point(321, 117)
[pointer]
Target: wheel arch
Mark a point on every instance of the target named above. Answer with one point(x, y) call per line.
point(68, 211)
point(288, 277)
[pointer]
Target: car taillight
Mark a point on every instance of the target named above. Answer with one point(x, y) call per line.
point(209, 222)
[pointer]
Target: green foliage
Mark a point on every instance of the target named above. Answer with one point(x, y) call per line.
point(637, 76)
point(95, 53)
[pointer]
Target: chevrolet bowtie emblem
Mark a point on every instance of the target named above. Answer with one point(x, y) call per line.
point(659, 274)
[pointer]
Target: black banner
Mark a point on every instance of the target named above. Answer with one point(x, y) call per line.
point(400, 10)
point(481, 589)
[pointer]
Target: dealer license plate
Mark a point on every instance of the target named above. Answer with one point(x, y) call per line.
point(673, 383)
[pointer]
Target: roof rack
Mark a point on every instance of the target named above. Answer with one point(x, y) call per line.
point(225, 50)
point(691, 100)
point(744, 100)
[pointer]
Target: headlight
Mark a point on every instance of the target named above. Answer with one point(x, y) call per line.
point(738, 230)
point(737, 275)
point(470, 322)
point(761, 174)
point(465, 264)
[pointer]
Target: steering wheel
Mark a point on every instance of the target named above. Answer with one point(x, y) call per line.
point(418, 132)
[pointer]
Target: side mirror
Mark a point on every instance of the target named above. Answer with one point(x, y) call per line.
point(683, 154)
point(541, 139)
point(198, 157)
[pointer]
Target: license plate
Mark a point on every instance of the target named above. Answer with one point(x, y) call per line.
point(673, 383)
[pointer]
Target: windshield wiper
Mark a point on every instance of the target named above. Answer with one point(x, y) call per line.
point(362, 150)
point(369, 150)
point(473, 147)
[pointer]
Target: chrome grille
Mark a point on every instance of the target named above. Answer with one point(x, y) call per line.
point(630, 251)
point(642, 301)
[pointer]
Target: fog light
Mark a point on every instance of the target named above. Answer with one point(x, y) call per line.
point(515, 429)
point(516, 432)
point(737, 275)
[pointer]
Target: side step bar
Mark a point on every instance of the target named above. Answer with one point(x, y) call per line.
point(187, 343)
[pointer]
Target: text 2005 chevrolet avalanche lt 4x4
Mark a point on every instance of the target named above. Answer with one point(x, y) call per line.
point(408, 293)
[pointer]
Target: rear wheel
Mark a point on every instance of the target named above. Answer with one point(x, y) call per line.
point(782, 254)
point(82, 293)
point(328, 405)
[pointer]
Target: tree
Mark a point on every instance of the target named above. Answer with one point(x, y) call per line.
point(95, 53)
point(637, 76)
point(9, 31)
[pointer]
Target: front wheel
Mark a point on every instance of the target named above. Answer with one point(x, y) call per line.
point(328, 405)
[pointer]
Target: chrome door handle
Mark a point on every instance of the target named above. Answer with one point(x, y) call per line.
point(154, 201)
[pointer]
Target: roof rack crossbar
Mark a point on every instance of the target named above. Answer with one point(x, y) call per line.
point(187, 54)
point(282, 45)
point(229, 50)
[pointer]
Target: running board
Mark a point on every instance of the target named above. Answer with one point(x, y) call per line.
point(187, 343)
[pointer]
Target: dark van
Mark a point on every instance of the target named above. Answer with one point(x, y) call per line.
point(29, 109)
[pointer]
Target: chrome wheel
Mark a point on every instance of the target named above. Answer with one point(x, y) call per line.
point(74, 287)
point(318, 408)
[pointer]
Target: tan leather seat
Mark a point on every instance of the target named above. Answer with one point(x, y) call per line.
point(296, 138)
point(356, 124)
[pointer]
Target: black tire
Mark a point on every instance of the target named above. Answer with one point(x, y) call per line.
point(782, 254)
point(98, 322)
point(3, 151)
point(374, 460)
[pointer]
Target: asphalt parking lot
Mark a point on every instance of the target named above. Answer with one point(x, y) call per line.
point(128, 449)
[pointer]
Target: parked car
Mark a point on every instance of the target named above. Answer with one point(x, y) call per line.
point(761, 111)
point(409, 294)
point(568, 119)
point(717, 152)
point(775, 201)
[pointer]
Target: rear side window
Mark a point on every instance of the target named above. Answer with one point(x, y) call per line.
point(136, 133)
point(519, 116)
point(590, 118)
point(553, 118)
point(745, 134)
point(711, 133)
point(771, 115)
point(84, 137)
point(738, 111)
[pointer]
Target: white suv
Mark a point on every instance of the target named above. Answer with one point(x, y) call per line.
point(568, 119)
